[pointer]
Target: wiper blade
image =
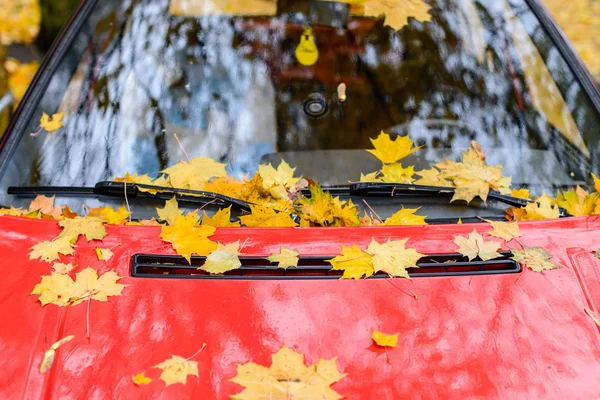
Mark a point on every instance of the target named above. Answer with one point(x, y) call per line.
point(132, 190)
point(377, 189)
point(119, 189)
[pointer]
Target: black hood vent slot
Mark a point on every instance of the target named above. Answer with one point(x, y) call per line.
point(257, 268)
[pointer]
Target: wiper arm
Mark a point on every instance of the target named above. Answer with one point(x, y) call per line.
point(132, 190)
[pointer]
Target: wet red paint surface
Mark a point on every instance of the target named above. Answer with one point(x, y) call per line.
point(522, 335)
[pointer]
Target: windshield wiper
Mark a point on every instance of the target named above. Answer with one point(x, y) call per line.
point(132, 190)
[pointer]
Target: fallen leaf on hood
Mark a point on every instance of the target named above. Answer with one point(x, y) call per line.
point(187, 237)
point(286, 258)
point(288, 378)
point(385, 340)
point(51, 123)
point(505, 230)
point(92, 228)
point(170, 211)
point(389, 151)
point(61, 268)
point(51, 352)
point(141, 379)
point(355, 263)
point(266, 216)
point(535, 258)
point(542, 208)
point(55, 289)
point(176, 369)
point(224, 258)
point(222, 218)
point(474, 246)
point(406, 216)
point(593, 315)
point(189, 175)
point(45, 205)
point(393, 257)
point(104, 254)
point(51, 250)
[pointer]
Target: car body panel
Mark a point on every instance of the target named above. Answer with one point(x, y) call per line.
point(520, 335)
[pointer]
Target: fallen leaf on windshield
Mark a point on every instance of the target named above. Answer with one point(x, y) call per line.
point(222, 218)
point(521, 194)
point(189, 175)
point(109, 215)
point(474, 246)
point(396, 173)
point(370, 177)
point(283, 176)
point(473, 177)
point(396, 12)
point(91, 227)
point(535, 258)
point(393, 257)
point(170, 211)
point(288, 378)
point(431, 177)
point(385, 340)
point(51, 123)
point(355, 263)
point(45, 205)
point(389, 151)
point(187, 237)
point(578, 202)
point(141, 379)
point(593, 315)
point(505, 230)
point(322, 209)
point(61, 268)
point(285, 258)
point(176, 369)
point(542, 208)
point(104, 254)
point(406, 216)
point(51, 352)
point(51, 250)
point(224, 258)
point(266, 216)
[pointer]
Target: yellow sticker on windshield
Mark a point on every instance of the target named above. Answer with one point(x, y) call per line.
point(307, 52)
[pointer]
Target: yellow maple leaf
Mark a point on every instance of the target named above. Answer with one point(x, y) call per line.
point(109, 215)
point(535, 258)
point(15, 212)
point(406, 216)
point(141, 379)
point(322, 209)
point(55, 289)
point(265, 216)
point(91, 227)
point(385, 340)
point(288, 378)
point(21, 20)
point(396, 12)
point(431, 177)
point(48, 359)
point(187, 237)
point(473, 177)
point(578, 202)
point(521, 194)
point(474, 246)
point(227, 186)
point(104, 254)
point(51, 123)
point(222, 218)
point(170, 211)
point(176, 369)
point(50, 250)
point(370, 177)
point(61, 268)
point(393, 257)
point(282, 176)
point(355, 263)
point(190, 175)
point(285, 258)
point(505, 230)
point(389, 151)
point(89, 286)
point(45, 205)
point(542, 208)
point(593, 316)
point(596, 183)
point(396, 173)
point(224, 258)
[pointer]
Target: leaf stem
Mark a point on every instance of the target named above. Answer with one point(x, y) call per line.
point(373, 211)
point(198, 352)
point(126, 199)
point(182, 148)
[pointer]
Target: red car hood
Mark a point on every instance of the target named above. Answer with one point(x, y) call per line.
point(522, 335)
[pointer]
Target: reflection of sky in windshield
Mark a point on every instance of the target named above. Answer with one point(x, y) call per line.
point(232, 89)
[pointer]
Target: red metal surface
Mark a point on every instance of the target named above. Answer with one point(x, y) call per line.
point(520, 335)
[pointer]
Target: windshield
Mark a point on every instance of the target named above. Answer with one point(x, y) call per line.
point(309, 82)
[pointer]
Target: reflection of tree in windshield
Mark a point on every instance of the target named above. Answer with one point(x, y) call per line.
point(233, 90)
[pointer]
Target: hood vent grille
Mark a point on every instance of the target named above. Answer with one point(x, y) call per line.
point(257, 268)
